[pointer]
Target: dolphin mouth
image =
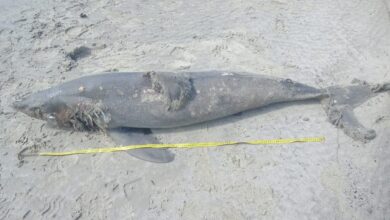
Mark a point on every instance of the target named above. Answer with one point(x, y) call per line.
point(25, 107)
point(19, 105)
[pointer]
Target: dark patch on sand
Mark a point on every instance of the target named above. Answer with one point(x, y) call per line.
point(79, 53)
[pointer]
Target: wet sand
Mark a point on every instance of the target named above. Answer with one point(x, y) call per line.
point(43, 43)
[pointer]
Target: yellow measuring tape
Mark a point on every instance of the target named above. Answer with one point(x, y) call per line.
point(180, 145)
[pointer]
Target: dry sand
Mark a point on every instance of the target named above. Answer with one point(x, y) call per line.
point(321, 43)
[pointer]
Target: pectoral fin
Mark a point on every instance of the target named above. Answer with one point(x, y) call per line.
point(129, 136)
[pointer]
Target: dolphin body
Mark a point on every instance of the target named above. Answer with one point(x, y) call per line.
point(126, 104)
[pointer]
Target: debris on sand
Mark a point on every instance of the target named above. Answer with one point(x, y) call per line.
point(79, 53)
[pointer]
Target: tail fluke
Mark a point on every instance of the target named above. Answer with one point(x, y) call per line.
point(381, 87)
point(340, 103)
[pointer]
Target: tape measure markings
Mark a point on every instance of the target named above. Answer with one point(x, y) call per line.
point(180, 145)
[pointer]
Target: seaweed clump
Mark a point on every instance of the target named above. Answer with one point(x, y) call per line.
point(85, 117)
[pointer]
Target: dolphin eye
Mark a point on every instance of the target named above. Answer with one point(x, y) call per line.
point(51, 120)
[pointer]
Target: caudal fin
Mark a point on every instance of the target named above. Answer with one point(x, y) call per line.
point(340, 103)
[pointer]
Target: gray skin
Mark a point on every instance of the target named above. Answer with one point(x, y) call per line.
point(114, 101)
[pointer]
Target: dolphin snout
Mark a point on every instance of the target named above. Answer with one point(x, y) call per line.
point(33, 105)
point(25, 105)
point(19, 105)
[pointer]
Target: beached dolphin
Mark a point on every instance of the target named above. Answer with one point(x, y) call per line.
point(125, 104)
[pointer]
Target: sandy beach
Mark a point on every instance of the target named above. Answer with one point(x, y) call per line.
point(319, 43)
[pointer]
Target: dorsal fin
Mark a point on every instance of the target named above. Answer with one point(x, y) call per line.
point(176, 89)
